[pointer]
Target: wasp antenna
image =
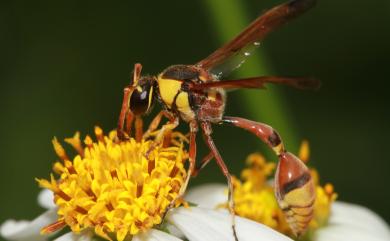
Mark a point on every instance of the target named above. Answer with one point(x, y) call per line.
point(136, 74)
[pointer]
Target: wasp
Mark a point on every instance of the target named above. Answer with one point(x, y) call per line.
point(196, 95)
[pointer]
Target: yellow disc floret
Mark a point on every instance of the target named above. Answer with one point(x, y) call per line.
point(117, 188)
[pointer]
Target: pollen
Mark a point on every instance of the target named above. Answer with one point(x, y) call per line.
point(116, 188)
point(254, 195)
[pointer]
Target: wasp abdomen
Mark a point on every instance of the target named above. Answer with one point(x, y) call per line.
point(294, 190)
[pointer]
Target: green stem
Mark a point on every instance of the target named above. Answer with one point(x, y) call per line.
point(228, 18)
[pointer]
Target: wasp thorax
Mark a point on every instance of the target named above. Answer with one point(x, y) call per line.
point(142, 97)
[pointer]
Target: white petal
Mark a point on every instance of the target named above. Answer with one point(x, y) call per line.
point(201, 224)
point(344, 233)
point(209, 195)
point(67, 237)
point(27, 230)
point(9, 227)
point(155, 235)
point(45, 199)
point(353, 222)
point(174, 231)
point(84, 236)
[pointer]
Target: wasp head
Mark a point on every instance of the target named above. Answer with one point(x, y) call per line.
point(142, 95)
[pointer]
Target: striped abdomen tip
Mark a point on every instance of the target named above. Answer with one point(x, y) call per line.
point(294, 190)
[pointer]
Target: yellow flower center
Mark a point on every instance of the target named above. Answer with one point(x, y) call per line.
point(254, 195)
point(115, 187)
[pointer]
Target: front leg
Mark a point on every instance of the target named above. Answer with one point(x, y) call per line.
point(192, 158)
point(125, 114)
point(139, 126)
point(168, 127)
point(156, 122)
point(191, 154)
point(191, 168)
point(294, 187)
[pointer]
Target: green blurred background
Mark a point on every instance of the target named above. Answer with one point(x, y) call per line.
point(64, 64)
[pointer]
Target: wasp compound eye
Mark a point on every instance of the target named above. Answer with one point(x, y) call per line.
point(141, 99)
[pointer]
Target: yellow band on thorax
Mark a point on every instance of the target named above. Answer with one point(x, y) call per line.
point(168, 88)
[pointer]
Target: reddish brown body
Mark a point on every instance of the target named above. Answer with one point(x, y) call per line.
point(295, 192)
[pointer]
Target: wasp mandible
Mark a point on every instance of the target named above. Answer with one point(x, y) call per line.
point(196, 94)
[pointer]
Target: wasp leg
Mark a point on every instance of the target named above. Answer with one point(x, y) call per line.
point(207, 131)
point(191, 154)
point(156, 122)
point(129, 122)
point(294, 187)
point(172, 124)
point(124, 113)
point(192, 158)
point(139, 125)
point(191, 168)
point(203, 163)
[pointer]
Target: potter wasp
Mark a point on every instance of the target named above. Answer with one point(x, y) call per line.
point(196, 94)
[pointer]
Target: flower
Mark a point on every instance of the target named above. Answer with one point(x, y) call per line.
point(254, 199)
point(120, 190)
point(114, 187)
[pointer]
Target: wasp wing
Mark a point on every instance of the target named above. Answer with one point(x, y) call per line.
point(235, 52)
point(259, 83)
